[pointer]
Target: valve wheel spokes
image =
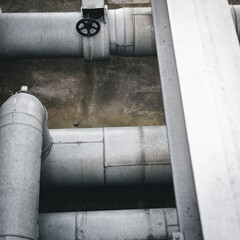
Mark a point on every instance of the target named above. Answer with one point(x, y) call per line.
point(88, 27)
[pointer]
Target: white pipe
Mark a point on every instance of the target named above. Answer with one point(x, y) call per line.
point(22, 118)
point(108, 225)
point(131, 33)
point(107, 156)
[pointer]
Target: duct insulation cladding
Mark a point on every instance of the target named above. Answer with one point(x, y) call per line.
point(107, 157)
point(22, 118)
point(138, 224)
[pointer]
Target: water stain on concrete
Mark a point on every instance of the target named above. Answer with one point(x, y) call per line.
point(120, 92)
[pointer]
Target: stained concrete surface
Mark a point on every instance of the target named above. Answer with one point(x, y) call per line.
point(119, 92)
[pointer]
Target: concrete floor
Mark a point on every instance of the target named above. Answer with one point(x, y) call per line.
point(119, 92)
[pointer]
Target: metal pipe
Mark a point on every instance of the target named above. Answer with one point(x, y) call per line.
point(109, 225)
point(107, 156)
point(40, 35)
point(131, 33)
point(22, 118)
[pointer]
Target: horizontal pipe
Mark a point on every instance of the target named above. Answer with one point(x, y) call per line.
point(107, 156)
point(109, 225)
point(55, 35)
point(40, 35)
point(131, 33)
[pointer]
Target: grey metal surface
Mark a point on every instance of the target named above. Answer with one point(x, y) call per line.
point(126, 32)
point(40, 35)
point(109, 156)
point(171, 219)
point(178, 236)
point(76, 159)
point(73, 135)
point(59, 226)
point(178, 143)
point(92, 4)
point(97, 48)
point(75, 164)
point(133, 145)
point(136, 155)
point(131, 32)
point(121, 31)
point(210, 90)
point(138, 174)
point(21, 127)
point(144, 35)
point(107, 225)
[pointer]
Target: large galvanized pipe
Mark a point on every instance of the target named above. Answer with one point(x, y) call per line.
point(54, 34)
point(107, 156)
point(22, 118)
point(109, 225)
point(131, 33)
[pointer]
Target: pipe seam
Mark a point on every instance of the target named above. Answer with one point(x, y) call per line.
point(15, 236)
point(11, 113)
point(23, 131)
point(9, 124)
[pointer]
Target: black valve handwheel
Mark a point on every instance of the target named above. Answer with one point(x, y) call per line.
point(88, 27)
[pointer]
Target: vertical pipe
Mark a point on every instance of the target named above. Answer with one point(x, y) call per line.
point(21, 128)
